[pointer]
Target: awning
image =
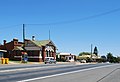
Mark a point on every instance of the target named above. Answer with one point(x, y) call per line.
point(32, 48)
point(3, 50)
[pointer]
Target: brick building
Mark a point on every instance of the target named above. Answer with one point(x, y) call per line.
point(13, 48)
point(38, 50)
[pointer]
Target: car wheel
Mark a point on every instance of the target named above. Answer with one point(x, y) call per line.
point(50, 62)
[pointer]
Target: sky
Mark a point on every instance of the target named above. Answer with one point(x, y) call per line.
point(74, 24)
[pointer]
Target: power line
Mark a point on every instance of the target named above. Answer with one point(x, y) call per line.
point(81, 19)
point(12, 26)
point(67, 22)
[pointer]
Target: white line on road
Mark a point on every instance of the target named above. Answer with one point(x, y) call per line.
point(30, 68)
point(39, 78)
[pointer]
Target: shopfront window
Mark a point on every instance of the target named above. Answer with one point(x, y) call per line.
point(1, 54)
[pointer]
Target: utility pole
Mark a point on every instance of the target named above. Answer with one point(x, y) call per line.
point(49, 34)
point(91, 51)
point(23, 32)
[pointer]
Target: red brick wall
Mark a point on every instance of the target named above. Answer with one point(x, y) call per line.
point(9, 47)
point(43, 53)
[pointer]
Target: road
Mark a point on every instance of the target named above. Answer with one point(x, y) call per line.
point(59, 73)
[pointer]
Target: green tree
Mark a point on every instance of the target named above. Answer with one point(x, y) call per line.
point(84, 53)
point(111, 58)
point(95, 51)
point(118, 59)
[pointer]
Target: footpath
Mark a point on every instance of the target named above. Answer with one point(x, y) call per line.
point(19, 62)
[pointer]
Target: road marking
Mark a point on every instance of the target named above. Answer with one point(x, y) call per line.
point(31, 68)
point(39, 78)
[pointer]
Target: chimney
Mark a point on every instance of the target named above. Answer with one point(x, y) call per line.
point(15, 39)
point(33, 38)
point(4, 41)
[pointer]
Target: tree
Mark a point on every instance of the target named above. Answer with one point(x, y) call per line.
point(95, 51)
point(84, 53)
point(118, 59)
point(110, 58)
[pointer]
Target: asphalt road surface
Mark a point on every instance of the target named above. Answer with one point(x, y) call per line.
point(60, 73)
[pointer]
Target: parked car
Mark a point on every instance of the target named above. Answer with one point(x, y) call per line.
point(83, 61)
point(50, 60)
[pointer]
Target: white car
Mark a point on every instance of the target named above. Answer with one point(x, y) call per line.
point(50, 60)
point(83, 61)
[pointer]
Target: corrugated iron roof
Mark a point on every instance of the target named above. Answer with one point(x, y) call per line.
point(18, 48)
point(42, 42)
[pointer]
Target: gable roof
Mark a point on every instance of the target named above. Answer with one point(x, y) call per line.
point(42, 42)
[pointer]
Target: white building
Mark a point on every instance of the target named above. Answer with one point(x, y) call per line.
point(67, 56)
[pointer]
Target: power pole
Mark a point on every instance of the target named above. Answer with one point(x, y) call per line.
point(91, 51)
point(49, 34)
point(23, 32)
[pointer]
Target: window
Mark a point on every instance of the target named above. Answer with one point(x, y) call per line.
point(47, 54)
point(69, 58)
point(1, 54)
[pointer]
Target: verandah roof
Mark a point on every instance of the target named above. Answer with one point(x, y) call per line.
point(18, 48)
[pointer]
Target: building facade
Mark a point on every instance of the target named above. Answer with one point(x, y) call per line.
point(38, 50)
point(66, 57)
point(2, 53)
point(13, 48)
